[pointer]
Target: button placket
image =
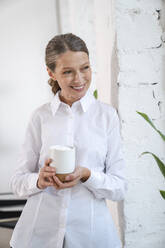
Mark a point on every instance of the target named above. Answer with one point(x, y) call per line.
point(62, 217)
point(63, 213)
point(70, 131)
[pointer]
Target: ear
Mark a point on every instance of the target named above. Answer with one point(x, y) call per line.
point(51, 74)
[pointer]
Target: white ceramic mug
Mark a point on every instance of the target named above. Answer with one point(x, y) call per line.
point(63, 159)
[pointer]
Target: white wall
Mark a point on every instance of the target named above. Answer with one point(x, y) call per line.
point(25, 28)
point(141, 86)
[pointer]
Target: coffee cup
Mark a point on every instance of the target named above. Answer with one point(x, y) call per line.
point(63, 158)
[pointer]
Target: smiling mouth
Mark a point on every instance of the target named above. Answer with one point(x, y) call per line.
point(78, 88)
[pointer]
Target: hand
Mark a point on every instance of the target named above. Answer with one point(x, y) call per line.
point(46, 175)
point(80, 173)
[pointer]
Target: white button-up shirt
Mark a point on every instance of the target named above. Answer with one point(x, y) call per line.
point(76, 217)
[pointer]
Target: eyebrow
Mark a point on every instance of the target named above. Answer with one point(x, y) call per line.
point(64, 68)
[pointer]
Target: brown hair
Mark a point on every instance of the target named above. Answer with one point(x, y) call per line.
point(58, 45)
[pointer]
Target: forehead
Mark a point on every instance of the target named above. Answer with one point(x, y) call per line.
point(72, 59)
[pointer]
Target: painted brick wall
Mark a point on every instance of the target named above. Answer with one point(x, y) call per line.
point(140, 26)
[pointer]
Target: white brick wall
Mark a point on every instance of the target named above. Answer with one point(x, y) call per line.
point(141, 85)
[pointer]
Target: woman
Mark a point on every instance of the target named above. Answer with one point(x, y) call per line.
point(72, 214)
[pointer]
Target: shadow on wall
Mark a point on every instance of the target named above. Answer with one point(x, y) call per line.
point(114, 75)
point(115, 103)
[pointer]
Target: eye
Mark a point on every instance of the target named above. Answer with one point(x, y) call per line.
point(86, 67)
point(67, 72)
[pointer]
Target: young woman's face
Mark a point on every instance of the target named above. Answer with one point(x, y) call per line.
point(73, 74)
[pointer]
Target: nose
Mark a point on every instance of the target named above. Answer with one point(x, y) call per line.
point(78, 77)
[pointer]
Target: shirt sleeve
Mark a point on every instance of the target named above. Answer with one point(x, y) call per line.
point(24, 180)
point(112, 183)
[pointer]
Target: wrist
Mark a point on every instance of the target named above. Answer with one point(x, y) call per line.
point(86, 174)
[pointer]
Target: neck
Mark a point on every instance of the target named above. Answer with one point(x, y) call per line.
point(63, 99)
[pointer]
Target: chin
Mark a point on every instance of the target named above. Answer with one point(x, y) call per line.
point(81, 94)
point(78, 95)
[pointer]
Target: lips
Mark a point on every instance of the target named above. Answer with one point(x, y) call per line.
point(78, 85)
point(78, 88)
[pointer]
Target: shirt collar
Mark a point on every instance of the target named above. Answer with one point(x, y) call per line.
point(85, 101)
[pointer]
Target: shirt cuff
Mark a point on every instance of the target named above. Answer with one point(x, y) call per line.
point(95, 180)
point(32, 183)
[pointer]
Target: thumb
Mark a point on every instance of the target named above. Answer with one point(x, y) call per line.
point(72, 176)
point(48, 161)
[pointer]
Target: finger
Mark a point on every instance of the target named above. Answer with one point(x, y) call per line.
point(57, 181)
point(49, 179)
point(69, 184)
point(48, 161)
point(64, 185)
point(48, 174)
point(47, 184)
point(55, 185)
point(72, 177)
point(48, 169)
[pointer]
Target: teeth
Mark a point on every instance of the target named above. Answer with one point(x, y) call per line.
point(78, 88)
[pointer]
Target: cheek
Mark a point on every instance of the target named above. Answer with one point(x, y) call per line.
point(64, 82)
point(89, 76)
